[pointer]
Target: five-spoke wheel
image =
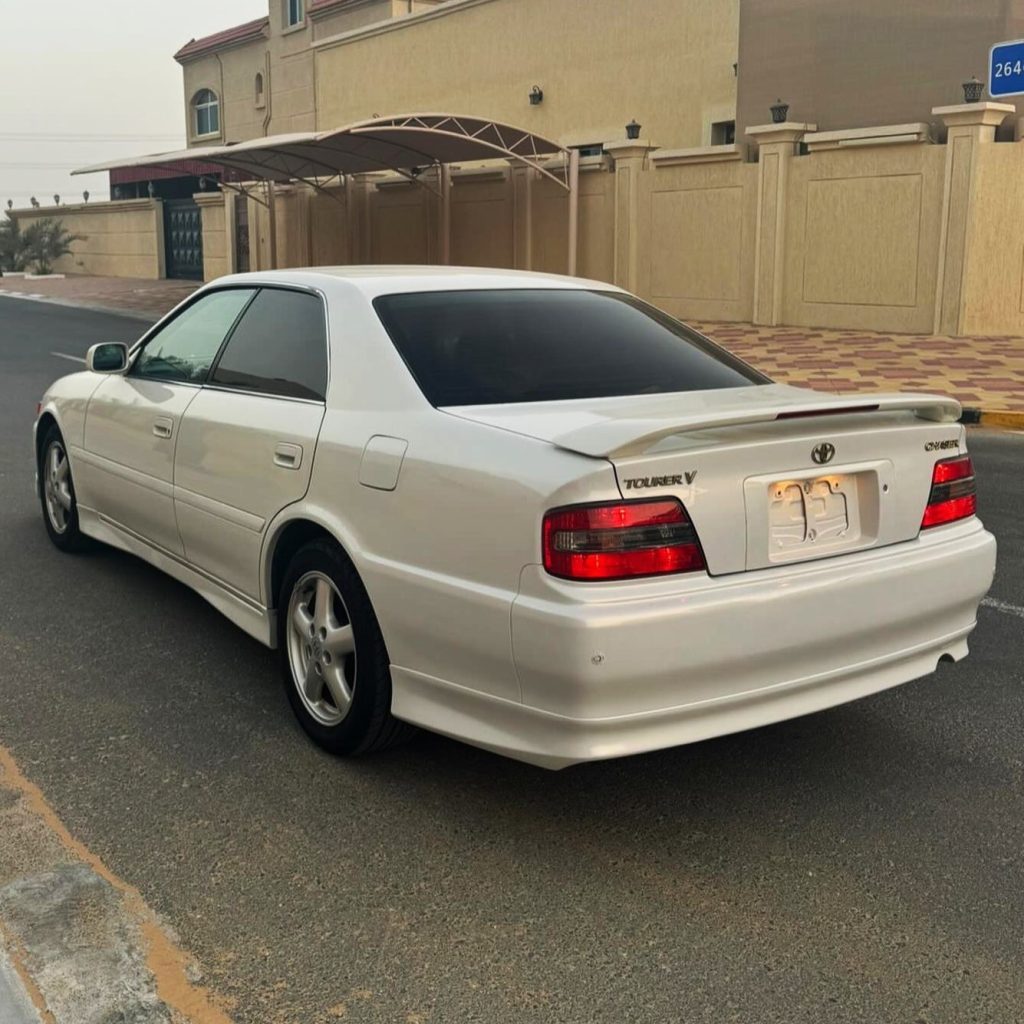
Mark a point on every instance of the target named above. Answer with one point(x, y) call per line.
point(57, 486)
point(57, 493)
point(336, 668)
point(321, 648)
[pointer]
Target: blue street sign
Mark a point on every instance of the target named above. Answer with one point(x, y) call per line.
point(1006, 69)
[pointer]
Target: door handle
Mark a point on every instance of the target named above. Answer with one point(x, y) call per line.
point(288, 456)
point(163, 426)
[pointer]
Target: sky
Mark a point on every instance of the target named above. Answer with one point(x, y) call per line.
point(83, 81)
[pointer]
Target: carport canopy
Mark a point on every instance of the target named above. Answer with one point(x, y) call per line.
point(405, 144)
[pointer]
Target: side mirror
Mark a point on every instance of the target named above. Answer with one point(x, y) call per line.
point(107, 357)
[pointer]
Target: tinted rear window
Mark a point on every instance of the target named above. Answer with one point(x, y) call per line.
point(491, 347)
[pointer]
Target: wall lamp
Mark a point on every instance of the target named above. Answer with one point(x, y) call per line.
point(633, 129)
point(536, 96)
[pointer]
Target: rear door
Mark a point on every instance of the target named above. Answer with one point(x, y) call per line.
point(245, 448)
point(126, 470)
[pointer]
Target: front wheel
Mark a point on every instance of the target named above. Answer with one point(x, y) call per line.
point(333, 659)
point(57, 494)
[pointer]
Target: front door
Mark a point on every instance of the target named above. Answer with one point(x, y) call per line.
point(246, 444)
point(126, 471)
point(183, 239)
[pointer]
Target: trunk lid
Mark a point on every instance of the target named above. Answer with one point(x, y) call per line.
point(769, 475)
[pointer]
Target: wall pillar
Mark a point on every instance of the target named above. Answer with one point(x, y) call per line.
point(629, 156)
point(777, 145)
point(214, 227)
point(158, 234)
point(522, 217)
point(970, 125)
point(230, 199)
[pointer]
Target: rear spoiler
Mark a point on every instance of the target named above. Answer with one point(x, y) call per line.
point(620, 438)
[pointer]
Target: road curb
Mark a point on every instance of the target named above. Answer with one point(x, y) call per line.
point(994, 418)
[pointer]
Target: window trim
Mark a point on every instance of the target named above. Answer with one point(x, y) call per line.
point(195, 105)
point(157, 328)
point(257, 392)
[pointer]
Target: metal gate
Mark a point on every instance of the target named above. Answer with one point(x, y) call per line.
point(183, 238)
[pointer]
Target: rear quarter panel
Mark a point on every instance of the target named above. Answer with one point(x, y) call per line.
point(441, 554)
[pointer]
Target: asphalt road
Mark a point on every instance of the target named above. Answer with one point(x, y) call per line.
point(859, 865)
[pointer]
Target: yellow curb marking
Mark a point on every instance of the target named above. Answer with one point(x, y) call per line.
point(165, 960)
point(1008, 420)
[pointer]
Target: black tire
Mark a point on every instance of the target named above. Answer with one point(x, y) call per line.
point(70, 539)
point(368, 725)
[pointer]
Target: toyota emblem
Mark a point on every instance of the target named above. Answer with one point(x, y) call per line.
point(823, 453)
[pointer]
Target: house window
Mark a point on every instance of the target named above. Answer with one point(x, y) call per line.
point(723, 133)
point(259, 89)
point(292, 13)
point(207, 109)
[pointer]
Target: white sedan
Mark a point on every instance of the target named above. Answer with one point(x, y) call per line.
point(526, 511)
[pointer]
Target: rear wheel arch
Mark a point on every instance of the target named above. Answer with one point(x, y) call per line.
point(287, 539)
point(292, 536)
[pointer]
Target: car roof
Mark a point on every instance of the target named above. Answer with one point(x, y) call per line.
point(384, 280)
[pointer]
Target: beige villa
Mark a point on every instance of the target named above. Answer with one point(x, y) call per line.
point(878, 199)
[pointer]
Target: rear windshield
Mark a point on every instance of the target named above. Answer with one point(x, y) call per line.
point(506, 346)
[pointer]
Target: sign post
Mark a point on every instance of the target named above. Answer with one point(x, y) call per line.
point(1006, 69)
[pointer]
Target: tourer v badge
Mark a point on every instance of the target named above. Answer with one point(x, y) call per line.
point(638, 482)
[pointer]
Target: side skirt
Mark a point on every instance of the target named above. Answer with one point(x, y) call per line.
point(244, 612)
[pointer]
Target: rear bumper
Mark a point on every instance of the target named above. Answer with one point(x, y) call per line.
point(610, 671)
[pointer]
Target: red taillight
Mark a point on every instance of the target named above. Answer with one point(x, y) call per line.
point(953, 493)
point(620, 541)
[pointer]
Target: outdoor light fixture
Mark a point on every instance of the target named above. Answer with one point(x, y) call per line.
point(34, 201)
point(10, 204)
point(633, 129)
point(85, 195)
point(780, 111)
point(973, 90)
point(536, 96)
point(56, 199)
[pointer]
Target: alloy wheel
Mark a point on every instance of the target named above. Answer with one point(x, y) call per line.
point(321, 648)
point(57, 487)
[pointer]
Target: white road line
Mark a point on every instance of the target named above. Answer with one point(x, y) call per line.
point(1004, 606)
point(64, 355)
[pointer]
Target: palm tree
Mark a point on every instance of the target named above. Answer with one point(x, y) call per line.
point(44, 241)
point(10, 245)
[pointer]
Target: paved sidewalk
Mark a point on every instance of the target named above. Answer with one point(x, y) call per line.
point(984, 373)
point(146, 299)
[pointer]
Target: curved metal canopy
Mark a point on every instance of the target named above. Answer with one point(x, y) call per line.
point(403, 143)
point(406, 144)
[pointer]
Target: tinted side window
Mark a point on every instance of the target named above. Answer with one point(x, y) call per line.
point(490, 347)
point(278, 348)
point(187, 346)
